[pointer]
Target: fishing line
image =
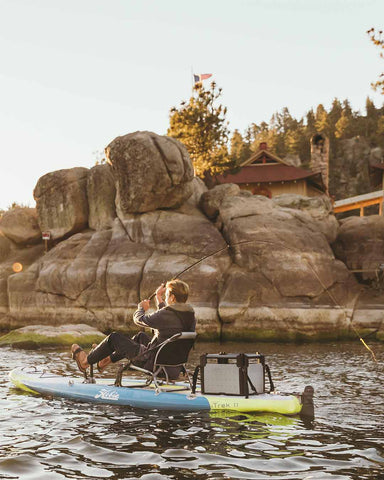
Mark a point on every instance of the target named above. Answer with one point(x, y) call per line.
point(269, 242)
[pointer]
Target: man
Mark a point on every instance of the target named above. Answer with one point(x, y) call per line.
point(173, 316)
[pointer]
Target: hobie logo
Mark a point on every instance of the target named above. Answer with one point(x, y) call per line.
point(107, 394)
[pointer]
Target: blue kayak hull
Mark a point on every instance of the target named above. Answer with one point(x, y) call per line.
point(134, 394)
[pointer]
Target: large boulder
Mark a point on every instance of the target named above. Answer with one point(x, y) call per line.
point(281, 261)
point(319, 208)
point(17, 262)
point(20, 225)
point(5, 247)
point(99, 277)
point(101, 193)
point(211, 200)
point(349, 167)
point(360, 245)
point(151, 172)
point(61, 202)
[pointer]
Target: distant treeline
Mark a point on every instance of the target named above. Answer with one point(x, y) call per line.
point(287, 135)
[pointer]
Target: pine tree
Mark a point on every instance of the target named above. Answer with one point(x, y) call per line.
point(335, 113)
point(322, 123)
point(201, 125)
point(343, 126)
point(240, 149)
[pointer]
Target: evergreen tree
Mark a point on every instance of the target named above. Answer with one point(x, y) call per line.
point(343, 126)
point(201, 126)
point(311, 123)
point(322, 124)
point(335, 113)
point(240, 150)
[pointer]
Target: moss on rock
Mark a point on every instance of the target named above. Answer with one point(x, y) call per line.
point(38, 336)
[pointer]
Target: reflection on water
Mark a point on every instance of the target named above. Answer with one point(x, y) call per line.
point(43, 438)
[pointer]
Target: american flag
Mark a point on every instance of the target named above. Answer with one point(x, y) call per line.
point(201, 76)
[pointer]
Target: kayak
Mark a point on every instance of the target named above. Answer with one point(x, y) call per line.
point(135, 393)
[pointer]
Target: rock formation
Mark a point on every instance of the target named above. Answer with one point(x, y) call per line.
point(38, 336)
point(349, 167)
point(61, 202)
point(281, 262)
point(120, 230)
point(101, 194)
point(151, 172)
point(360, 244)
point(319, 208)
point(20, 225)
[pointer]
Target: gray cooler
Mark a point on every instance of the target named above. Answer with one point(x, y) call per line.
point(232, 374)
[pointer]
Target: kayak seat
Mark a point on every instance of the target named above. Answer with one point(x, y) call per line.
point(173, 352)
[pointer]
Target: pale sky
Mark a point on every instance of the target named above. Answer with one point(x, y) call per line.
point(75, 74)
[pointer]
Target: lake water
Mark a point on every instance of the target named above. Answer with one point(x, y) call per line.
point(42, 438)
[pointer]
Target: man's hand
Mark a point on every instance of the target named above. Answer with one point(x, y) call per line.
point(144, 304)
point(160, 292)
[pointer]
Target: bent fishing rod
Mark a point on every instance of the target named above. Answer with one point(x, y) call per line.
point(269, 242)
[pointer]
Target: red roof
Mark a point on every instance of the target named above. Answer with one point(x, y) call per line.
point(265, 174)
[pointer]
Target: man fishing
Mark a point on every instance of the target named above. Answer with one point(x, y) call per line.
point(173, 316)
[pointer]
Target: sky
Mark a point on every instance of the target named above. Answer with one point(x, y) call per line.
point(75, 74)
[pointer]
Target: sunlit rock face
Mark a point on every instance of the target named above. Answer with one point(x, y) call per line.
point(151, 172)
point(20, 225)
point(320, 210)
point(349, 168)
point(258, 269)
point(101, 276)
point(61, 202)
point(101, 193)
point(281, 260)
point(5, 247)
point(360, 244)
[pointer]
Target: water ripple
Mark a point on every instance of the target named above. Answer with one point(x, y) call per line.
point(51, 439)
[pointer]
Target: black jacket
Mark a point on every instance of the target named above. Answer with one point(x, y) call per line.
point(165, 322)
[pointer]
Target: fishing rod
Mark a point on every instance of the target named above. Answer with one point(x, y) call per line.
point(269, 242)
point(193, 265)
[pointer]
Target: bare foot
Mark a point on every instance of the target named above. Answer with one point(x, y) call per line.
point(80, 356)
point(103, 363)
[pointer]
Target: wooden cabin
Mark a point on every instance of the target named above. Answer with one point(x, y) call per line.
point(264, 173)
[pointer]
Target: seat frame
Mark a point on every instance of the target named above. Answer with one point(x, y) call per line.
point(158, 368)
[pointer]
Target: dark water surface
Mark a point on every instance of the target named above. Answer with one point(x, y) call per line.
point(54, 439)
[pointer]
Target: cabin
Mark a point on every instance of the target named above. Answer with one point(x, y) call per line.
point(264, 173)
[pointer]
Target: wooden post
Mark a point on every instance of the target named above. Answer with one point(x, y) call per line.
point(381, 207)
point(361, 211)
point(46, 236)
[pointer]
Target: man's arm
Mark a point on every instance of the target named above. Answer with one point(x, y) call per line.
point(142, 320)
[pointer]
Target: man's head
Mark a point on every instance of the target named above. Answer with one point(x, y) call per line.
point(178, 289)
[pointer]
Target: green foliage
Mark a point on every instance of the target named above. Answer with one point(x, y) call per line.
point(287, 135)
point(378, 40)
point(240, 149)
point(201, 126)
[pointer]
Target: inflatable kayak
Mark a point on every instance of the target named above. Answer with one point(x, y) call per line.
point(175, 396)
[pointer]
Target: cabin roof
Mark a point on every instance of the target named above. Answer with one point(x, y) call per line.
point(265, 174)
point(263, 152)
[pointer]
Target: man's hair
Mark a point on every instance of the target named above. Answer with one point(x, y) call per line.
point(179, 289)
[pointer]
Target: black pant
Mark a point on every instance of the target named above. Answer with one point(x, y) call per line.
point(118, 346)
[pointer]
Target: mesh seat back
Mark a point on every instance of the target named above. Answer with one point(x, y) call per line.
point(176, 351)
